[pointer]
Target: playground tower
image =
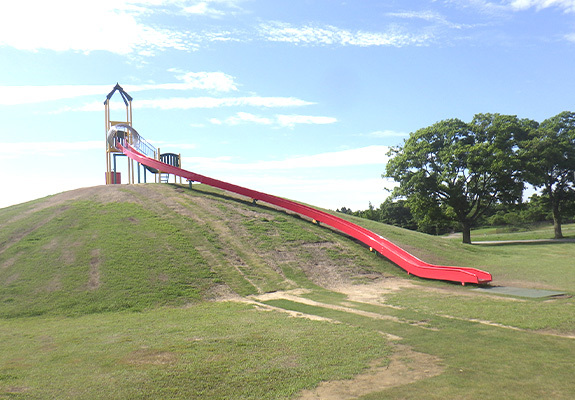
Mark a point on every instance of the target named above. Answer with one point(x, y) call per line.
point(111, 175)
point(124, 130)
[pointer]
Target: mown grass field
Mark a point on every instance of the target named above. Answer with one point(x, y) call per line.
point(157, 291)
point(537, 232)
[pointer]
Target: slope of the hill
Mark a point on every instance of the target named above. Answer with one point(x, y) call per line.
point(109, 248)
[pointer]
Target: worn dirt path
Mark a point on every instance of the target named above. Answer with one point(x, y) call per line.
point(405, 365)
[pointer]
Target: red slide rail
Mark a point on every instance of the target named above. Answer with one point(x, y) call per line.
point(394, 253)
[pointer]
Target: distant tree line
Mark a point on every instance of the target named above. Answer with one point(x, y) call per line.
point(509, 217)
point(455, 175)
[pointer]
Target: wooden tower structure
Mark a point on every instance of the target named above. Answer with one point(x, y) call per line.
point(111, 176)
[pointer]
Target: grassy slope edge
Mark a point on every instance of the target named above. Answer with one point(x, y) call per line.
point(102, 295)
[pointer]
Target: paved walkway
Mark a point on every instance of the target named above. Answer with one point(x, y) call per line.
point(525, 241)
point(520, 292)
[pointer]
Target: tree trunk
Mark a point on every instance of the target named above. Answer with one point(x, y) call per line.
point(557, 220)
point(466, 227)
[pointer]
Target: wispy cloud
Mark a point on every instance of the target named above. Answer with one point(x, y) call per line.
point(278, 120)
point(322, 179)
point(51, 149)
point(242, 118)
point(387, 134)
point(324, 190)
point(332, 35)
point(567, 6)
point(71, 25)
point(217, 81)
point(63, 25)
point(500, 7)
point(292, 120)
point(95, 27)
point(15, 95)
point(427, 15)
point(186, 103)
point(370, 155)
point(208, 8)
point(203, 8)
point(209, 81)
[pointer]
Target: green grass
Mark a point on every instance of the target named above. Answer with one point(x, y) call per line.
point(107, 300)
point(534, 314)
point(481, 361)
point(544, 231)
point(86, 256)
point(539, 265)
point(52, 264)
point(209, 351)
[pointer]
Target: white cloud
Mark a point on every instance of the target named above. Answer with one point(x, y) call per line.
point(243, 117)
point(186, 103)
point(201, 8)
point(217, 81)
point(321, 179)
point(387, 133)
point(15, 150)
point(322, 191)
point(292, 120)
point(210, 81)
point(63, 25)
point(567, 6)
point(14, 95)
point(71, 25)
point(207, 162)
point(496, 8)
point(208, 8)
point(371, 155)
point(349, 178)
point(280, 120)
point(331, 35)
point(179, 146)
point(430, 16)
point(115, 26)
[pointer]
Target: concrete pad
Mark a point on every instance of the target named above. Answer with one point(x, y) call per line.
point(519, 292)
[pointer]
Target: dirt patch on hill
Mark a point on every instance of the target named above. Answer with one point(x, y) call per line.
point(94, 279)
point(374, 292)
point(405, 366)
point(147, 356)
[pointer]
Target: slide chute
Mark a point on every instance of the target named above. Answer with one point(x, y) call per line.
point(126, 139)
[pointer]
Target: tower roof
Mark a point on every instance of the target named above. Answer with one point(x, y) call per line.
point(125, 96)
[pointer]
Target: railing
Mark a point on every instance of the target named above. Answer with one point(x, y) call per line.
point(144, 147)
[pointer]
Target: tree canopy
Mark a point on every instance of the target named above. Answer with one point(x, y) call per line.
point(549, 162)
point(454, 170)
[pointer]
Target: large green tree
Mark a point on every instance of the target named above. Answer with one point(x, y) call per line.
point(549, 159)
point(455, 171)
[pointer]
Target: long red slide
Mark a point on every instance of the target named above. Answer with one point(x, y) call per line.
point(397, 255)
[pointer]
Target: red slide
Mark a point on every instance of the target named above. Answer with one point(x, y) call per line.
point(402, 258)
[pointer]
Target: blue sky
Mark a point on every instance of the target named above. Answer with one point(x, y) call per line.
point(298, 98)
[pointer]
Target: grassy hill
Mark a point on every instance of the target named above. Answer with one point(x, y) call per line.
point(157, 291)
point(135, 247)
